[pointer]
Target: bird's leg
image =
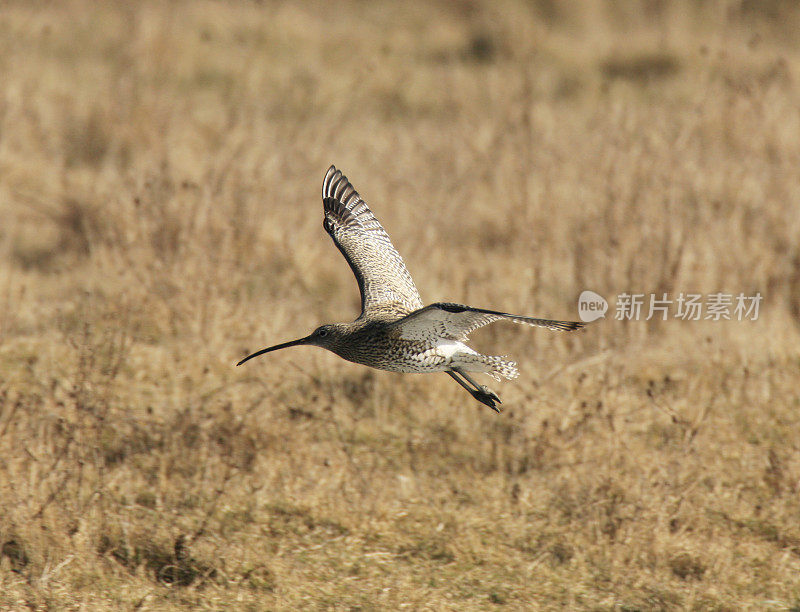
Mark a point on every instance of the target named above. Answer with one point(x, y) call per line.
point(482, 388)
point(481, 393)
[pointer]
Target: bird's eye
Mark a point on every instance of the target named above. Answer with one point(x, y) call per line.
point(322, 333)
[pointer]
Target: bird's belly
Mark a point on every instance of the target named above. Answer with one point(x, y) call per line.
point(413, 357)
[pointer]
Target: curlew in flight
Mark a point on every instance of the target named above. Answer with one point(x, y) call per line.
point(395, 331)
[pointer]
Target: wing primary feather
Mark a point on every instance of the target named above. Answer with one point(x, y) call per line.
point(456, 321)
point(387, 289)
point(326, 181)
point(336, 185)
point(549, 323)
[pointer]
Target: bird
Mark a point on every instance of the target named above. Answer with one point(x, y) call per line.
point(395, 330)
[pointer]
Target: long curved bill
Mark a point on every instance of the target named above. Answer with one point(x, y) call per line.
point(298, 342)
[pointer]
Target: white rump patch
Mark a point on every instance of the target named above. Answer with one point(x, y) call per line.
point(448, 348)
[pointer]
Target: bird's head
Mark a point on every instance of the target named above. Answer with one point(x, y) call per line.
point(325, 336)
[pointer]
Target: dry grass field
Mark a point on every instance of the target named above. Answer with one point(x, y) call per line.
point(160, 170)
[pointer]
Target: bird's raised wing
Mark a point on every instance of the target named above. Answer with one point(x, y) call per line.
point(456, 322)
point(385, 284)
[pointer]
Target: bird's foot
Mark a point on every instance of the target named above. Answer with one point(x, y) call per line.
point(486, 396)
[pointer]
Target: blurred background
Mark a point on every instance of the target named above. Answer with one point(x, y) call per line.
point(160, 217)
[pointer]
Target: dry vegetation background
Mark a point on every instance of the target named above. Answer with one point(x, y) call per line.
point(160, 168)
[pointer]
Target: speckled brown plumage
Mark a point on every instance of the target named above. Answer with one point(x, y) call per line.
point(395, 331)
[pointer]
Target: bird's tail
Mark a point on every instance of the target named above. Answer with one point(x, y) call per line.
point(498, 368)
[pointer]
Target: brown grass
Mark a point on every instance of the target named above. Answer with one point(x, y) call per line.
point(160, 217)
